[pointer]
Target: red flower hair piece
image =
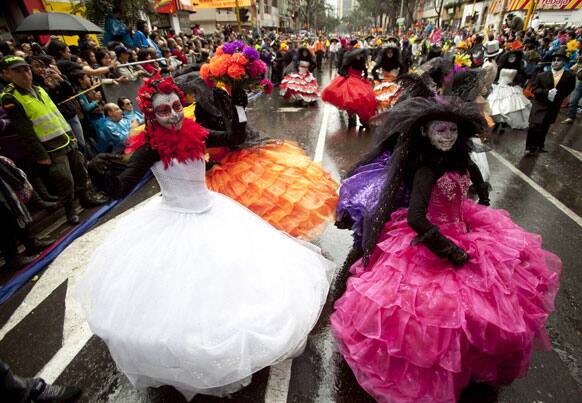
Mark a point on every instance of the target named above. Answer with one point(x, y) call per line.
point(153, 86)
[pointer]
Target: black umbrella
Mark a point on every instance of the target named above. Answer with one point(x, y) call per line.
point(57, 24)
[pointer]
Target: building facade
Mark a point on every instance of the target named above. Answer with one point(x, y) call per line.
point(345, 8)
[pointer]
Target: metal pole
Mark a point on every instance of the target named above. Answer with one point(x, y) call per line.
point(503, 12)
point(472, 15)
point(142, 62)
point(532, 6)
point(401, 8)
point(237, 9)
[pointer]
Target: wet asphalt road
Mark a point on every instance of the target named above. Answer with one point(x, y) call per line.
point(551, 206)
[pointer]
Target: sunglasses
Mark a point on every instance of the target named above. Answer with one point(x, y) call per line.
point(165, 110)
point(557, 59)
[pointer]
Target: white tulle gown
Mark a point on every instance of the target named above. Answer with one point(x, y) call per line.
point(195, 291)
point(507, 102)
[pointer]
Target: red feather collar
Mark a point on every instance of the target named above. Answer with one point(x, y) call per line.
point(188, 143)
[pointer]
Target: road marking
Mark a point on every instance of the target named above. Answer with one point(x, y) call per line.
point(278, 384)
point(289, 109)
point(55, 367)
point(575, 153)
point(558, 204)
point(318, 157)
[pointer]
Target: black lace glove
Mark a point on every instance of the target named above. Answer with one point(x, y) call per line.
point(235, 129)
point(443, 247)
point(344, 222)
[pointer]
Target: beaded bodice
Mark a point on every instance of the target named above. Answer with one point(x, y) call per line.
point(446, 200)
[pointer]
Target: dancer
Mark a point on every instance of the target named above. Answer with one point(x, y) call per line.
point(273, 178)
point(191, 289)
point(351, 90)
point(508, 104)
point(447, 291)
point(387, 89)
point(299, 84)
point(550, 88)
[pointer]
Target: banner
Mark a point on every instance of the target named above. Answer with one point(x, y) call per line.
point(164, 6)
point(522, 5)
point(185, 5)
point(220, 3)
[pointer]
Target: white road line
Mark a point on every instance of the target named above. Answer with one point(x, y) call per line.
point(76, 341)
point(558, 204)
point(318, 157)
point(278, 384)
point(575, 153)
point(289, 109)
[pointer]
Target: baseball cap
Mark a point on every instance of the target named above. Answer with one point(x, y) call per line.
point(11, 61)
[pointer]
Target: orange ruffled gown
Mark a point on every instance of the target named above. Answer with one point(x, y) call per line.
point(278, 182)
point(281, 184)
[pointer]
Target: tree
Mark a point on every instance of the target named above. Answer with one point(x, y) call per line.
point(438, 8)
point(131, 11)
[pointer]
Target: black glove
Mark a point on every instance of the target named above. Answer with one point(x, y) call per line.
point(239, 97)
point(443, 247)
point(344, 222)
point(236, 130)
point(482, 190)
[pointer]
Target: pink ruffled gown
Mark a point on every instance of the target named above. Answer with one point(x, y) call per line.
point(415, 329)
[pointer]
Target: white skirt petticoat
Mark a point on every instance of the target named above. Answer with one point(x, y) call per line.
point(201, 301)
point(509, 105)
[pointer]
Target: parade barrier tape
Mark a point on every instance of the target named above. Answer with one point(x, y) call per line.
point(22, 277)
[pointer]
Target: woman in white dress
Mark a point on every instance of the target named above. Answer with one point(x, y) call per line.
point(193, 290)
point(508, 104)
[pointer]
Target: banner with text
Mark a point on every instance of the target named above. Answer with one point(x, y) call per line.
point(220, 3)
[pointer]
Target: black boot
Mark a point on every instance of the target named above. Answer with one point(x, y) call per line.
point(88, 199)
point(72, 217)
point(42, 191)
point(36, 202)
point(35, 245)
point(48, 393)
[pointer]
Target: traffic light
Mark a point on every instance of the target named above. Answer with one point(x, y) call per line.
point(244, 14)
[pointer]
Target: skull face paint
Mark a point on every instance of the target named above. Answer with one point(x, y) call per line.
point(557, 63)
point(442, 134)
point(169, 110)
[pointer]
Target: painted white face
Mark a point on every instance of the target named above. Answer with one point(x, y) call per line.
point(169, 110)
point(511, 58)
point(442, 134)
point(557, 63)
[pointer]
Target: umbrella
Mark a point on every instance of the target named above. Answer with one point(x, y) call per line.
point(57, 24)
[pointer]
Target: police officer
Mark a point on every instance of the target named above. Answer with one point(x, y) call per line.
point(47, 137)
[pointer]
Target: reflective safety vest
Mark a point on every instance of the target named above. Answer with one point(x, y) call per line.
point(47, 121)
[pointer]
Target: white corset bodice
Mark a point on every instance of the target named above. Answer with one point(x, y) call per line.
point(506, 76)
point(183, 185)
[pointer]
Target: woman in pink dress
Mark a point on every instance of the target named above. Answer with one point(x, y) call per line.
point(447, 291)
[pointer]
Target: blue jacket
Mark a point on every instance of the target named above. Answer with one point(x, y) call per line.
point(112, 135)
